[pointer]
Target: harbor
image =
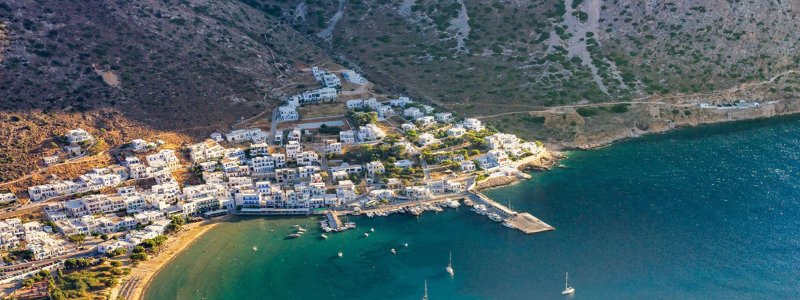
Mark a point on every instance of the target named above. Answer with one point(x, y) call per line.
point(481, 204)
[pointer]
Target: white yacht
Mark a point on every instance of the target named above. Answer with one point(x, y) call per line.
point(495, 217)
point(568, 290)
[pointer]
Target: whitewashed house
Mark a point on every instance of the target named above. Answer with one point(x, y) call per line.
point(315, 96)
point(400, 102)
point(406, 127)
point(242, 135)
point(412, 112)
point(353, 77)
point(426, 139)
point(375, 168)
point(288, 113)
point(355, 104)
point(455, 131)
point(333, 147)
point(444, 117)
point(370, 132)
point(405, 164)
point(473, 124)
point(467, 166)
point(347, 136)
point(331, 80)
point(78, 135)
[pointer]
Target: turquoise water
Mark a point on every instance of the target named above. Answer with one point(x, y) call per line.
point(702, 213)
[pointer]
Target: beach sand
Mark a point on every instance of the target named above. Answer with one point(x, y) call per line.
point(136, 282)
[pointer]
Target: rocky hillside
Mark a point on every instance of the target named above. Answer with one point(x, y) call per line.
point(171, 64)
point(185, 66)
point(471, 54)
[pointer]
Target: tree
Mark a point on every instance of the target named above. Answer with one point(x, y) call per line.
point(138, 249)
point(136, 257)
point(78, 239)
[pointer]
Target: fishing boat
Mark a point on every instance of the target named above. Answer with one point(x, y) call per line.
point(495, 217)
point(449, 267)
point(324, 236)
point(568, 290)
point(340, 254)
point(394, 251)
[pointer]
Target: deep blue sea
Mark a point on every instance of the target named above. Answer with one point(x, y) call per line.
point(700, 213)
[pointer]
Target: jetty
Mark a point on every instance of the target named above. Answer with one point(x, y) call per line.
point(333, 220)
point(524, 222)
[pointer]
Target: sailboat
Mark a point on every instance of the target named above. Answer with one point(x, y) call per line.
point(568, 290)
point(425, 296)
point(449, 268)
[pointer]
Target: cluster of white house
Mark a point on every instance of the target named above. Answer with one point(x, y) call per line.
point(37, 238)
point(159, 165)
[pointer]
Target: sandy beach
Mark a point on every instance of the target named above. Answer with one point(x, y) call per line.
point(136, 282)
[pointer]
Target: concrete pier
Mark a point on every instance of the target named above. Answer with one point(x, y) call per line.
point(333, 220)
point(524, 222)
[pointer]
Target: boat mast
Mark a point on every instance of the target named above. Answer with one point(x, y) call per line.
point(425, 296)
point(451, 260)
point(566, 281)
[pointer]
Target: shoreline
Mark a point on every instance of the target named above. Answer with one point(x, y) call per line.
point(147, 270)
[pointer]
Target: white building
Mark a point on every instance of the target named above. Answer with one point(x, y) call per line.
point(426, 139)
point(413, 113)
point(295, 135)
point(473, 124)
point(241, 135)
point(315, 96)
point(467, 166)
point(333, 147)
point(370, 132)
point(7, 198)
point(425, 121)
point(163, 159)
point(206, 150)
point(288, 113)
point(78, 135)
point(50, 160)
point(455, 131)
point(353, 77)
point(347, 136)
point(331, 80)
point(354, 104)
point(375, 168)
point(408, 127)
point(405, 164)
point(444, 117)
point(400, 102)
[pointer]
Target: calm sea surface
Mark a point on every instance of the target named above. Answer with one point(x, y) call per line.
point(702, 213)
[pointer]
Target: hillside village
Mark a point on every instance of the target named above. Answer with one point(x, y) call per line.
point(380, 153)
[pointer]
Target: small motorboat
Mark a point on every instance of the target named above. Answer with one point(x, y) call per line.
point(394, 251)
point(340, 254)
point(405, 245)
point(295, 235)
point(372, 229)
point(324, 236)
point(366, 234)
point(255, 248)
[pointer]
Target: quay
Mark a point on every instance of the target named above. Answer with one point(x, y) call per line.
point(524, 222)
point(333, 220)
